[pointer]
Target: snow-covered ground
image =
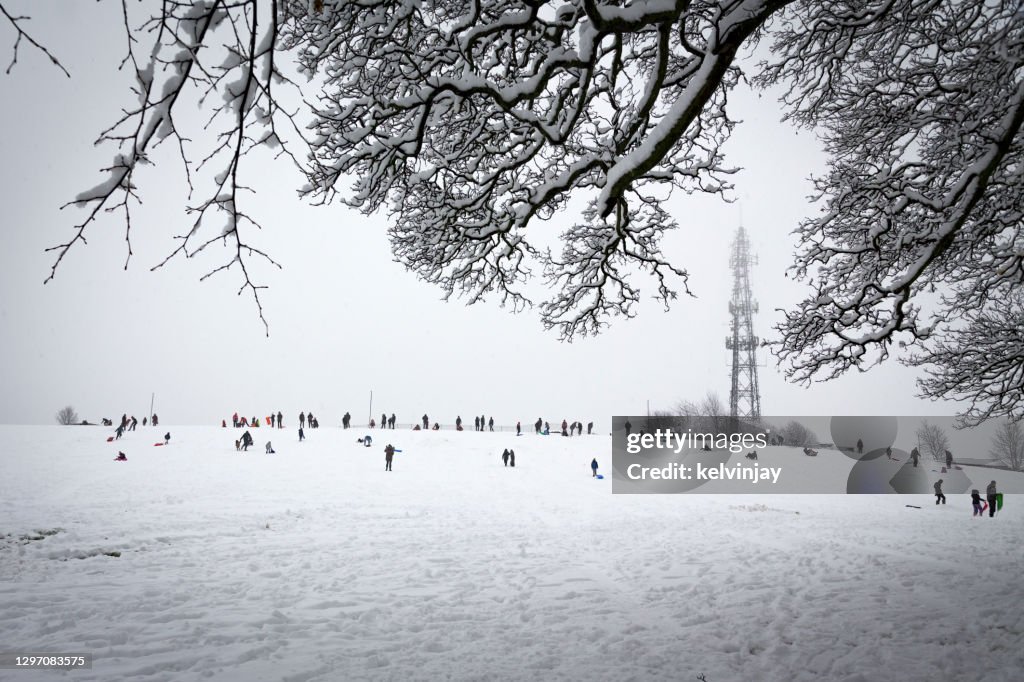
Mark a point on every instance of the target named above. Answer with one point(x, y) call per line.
point(316, 564)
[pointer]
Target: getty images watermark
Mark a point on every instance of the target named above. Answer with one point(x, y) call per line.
point(841, 454)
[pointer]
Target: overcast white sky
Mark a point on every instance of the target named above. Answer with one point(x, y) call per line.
point(344, 318)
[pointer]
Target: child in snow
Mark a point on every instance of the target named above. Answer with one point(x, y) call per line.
point(938, 492)
point(270, 448)
point(976, 503)
point(593, 467)
point(167, 438)
point(120, 457)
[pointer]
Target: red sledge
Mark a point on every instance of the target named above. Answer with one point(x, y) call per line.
point(110, 439)
point(156, 445)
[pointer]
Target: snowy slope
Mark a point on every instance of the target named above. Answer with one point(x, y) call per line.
point(316, 564)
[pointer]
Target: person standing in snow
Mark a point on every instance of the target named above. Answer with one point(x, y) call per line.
point(565, 427)
point(629, 427)
point(154, 419)
point(458, 423)
point(512, 458)
point(593, 467)
point(504, 456)
point(135, 422)
point(519, 428)
point(537, 425)
point(389, 453)
point(915, 455)
point(383, 421)
point(888, 452)
point(490, 424)
point(118, 432)
point(391, 422)
point(949, 459)
point(938, 492)
point(991, 493)
point(976, 503)
point(280, 420)
point(426, 423)
point(273, 421)
point(302, 420)
point(302, 436)
point(246, 441)
point(476, 423)
point(547, 429)
point(346, 420)
point(590, 428)
point(167, 438)
point(860, 446)
point(270, 448)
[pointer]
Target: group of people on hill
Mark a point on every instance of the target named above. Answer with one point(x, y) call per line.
point(990, 502)
point(386, 422)
point(127, 424)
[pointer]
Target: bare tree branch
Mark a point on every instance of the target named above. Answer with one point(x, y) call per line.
point(15, 21)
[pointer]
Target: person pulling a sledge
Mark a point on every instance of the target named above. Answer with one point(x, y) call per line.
point(976, 503)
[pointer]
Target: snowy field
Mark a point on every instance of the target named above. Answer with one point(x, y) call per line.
point(316, 564)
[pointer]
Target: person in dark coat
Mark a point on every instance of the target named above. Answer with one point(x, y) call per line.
point(590, 428)
point(458, 423)
point(391, 422)
point(246, 441)
point(118, 432)
point(167, 438)
point(346, 420)
point(512, 458)
point(537, 425)
point(519, 428)
point(135, 422)
point(629, 427)
point(949, 459)
point(938, 492)
point(593, 467)
point(302, 420)
point(504, 456)
point(476, 423)
point(976, 503)
point(426, 423)
point(121, 457)
point(990, 493)
point(389, 453)
point(302, 436)
point(154, 420)
point(490, 424)
point(565, 428)
point(860, 446)
point(383, 421)
point(915, 455)
point(270, 448)
point(280, 420)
